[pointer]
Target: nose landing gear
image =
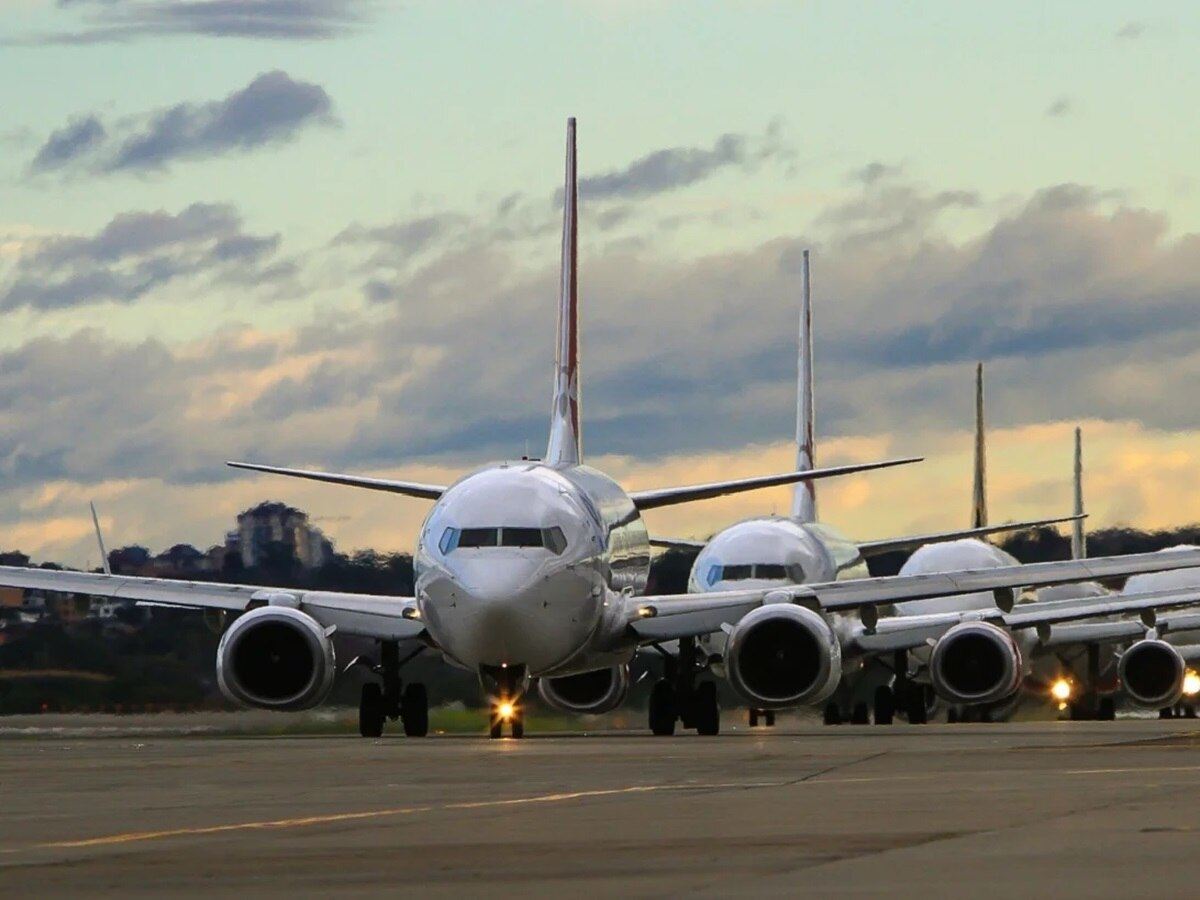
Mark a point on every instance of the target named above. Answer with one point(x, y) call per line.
point(506, 685)
point(392, 699)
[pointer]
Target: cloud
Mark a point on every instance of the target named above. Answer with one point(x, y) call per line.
point(137, 253)
point(1060, 108)
point(110, 21)
point(1082, 306)
point(1131, 31)
point(679, 167)
point(273, 108)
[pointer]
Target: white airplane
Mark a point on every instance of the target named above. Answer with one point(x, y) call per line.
point(533, 569)
point(774, 551)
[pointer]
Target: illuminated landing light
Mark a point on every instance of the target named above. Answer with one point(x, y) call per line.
point(1191, 684)
point(1061, 690)
point(506, 711)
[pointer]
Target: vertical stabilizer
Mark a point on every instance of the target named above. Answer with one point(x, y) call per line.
point(804, 502)
point(566, 445)
point(979, 516)
point(100, 539)
point(1078, 538)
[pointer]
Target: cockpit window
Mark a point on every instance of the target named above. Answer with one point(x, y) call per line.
point(479, 537)
point(521, 537)
point(551, 539)
point(762, 571)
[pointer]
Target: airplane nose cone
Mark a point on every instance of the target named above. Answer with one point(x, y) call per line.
point(512, 614)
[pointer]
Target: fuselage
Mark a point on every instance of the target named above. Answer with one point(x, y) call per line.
point(521, 566)
point(952, 556)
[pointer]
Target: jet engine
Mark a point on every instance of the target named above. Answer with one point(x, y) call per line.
point(783, 655)
point(276, 657)
point(1151, 673)
point(975, 662)
point(589, 693)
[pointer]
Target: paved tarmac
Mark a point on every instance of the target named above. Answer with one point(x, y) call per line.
point(1032, 809)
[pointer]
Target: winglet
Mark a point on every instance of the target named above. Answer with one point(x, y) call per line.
point(804, 500)
point(100, 539)
point(979, 515)
point(566, 444)
point(1078, 537)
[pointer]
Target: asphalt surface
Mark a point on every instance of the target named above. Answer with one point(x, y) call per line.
point(1071, 809)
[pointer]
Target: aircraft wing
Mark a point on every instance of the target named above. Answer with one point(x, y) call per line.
point(874, 548)
point(672, 496)
point(653, 618)
point(364, 615)
point(1058, 622)
point(677, 543)
point(411, 488)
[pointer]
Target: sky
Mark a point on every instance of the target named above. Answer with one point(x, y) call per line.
point(325, 233)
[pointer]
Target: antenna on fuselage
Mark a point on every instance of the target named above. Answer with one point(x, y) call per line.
point(979, 516)
point(566, 440)
point(1078, 537)
point(804, 500)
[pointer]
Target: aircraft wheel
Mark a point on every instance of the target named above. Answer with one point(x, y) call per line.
point(516, 725)
point(859, 715)
point(754, 718)
point(1189, 711)
point(952, 716)
point(662, 709)
point(497, 728)
point(414, 710)
point(914, 705)
point(370, 711)
point(833, 714)
point(769, 718)
point(1107, 711)
point(708, 713)
point(1166, 713)
point(885, 705)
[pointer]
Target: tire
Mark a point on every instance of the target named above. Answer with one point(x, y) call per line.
point(414, 710)
point(1189, 711)
point(885, 705)
point(662, 709)
point(708, 713)
point(370, 711)
point(754, 718)
point(832, 714)
point(1107, 711)
point(952, 716)
point(497, 727)
point(769, 718)
point(516, 725)
point(859, 715)
point(914, 705)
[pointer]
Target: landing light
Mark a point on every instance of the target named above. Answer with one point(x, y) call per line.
point(1191, 684)
point(506, 711)
point(1061, 690)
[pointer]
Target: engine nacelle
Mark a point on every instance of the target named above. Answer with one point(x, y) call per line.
point(276, 657)
point(1152, 672)
point(976, 662)
point(589, 693)
point(782, 655)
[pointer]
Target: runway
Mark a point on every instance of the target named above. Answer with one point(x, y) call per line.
point(1095, 809)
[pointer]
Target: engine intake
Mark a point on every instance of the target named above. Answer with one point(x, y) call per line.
point(783, 655)
point(276, 658)
point(1151, 672)
point(975, 662)
point(589, 693)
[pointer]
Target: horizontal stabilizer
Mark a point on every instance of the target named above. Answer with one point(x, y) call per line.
point(875, 548)
point(410, 488)
point(673, 496)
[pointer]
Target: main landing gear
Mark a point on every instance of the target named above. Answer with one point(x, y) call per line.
point(764, 717)
point(678, 698)
point(392, 699)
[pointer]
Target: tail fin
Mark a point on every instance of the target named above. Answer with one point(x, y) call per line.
point(804, 501)
point(566, 443)
point(979, 516)
point(100, 539)
point(1078, 538)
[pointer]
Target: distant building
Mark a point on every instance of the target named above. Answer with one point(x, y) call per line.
point(277, 523)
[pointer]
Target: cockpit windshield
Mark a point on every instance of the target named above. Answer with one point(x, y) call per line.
point(551, 539)
point(793, 573)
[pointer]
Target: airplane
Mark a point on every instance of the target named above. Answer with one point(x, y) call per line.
point(536, 569)
point(769, 551)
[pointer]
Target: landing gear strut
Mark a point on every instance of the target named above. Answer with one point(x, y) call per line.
point(678, 698)
point(391, 699)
